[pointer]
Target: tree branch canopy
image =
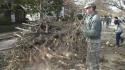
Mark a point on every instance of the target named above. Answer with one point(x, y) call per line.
point(115, 3)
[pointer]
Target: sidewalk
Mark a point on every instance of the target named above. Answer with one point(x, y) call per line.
point(7, 44)
point(6, 36)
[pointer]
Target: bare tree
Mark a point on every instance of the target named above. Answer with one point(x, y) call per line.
point(116, 3)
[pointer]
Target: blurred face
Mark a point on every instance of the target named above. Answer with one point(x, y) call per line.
point(89, 10)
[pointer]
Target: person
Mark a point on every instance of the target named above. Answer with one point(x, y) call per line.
point(92, 31)
point(103, 20)
point(118, 31)
point(107, 21)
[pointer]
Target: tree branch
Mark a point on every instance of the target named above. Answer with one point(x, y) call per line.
point(115, 5)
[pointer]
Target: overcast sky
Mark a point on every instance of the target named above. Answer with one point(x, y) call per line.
point(79, 1)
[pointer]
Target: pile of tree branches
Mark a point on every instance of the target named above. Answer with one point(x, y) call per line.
point(47, 40)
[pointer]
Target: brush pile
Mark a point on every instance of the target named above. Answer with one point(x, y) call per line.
point(60, 43)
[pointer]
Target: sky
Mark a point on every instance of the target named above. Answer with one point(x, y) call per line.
point(79, 2)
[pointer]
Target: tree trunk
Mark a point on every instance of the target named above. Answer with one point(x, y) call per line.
point(41, 9)
point(57, 15)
